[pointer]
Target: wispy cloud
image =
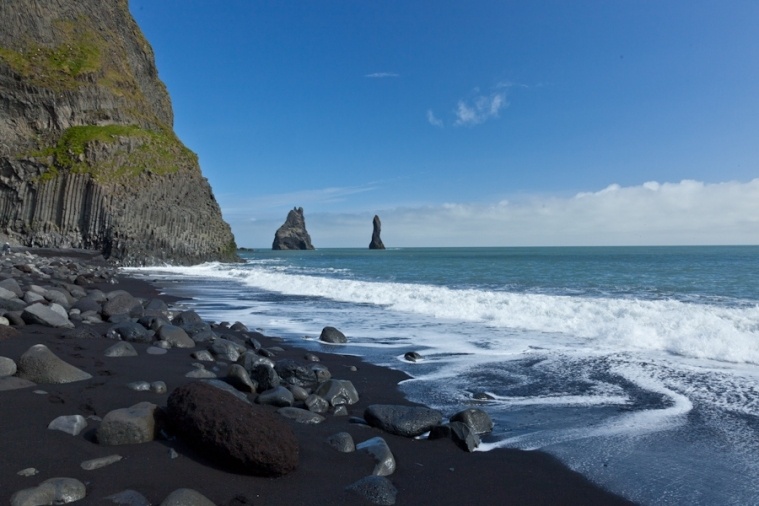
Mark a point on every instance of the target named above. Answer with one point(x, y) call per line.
point(434, 120)
point(480, 108)
point(381, 75)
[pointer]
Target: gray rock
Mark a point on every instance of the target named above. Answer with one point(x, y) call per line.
point(300, 394)
point(266, 377)
point(316, 404)
point(130, 331)
point(412, 356)
point(292, 373)
point(310, 357)
point(175, 336)
point(476, 419)
point(376, 242)
point(45, 315)
point(239, 378)
point(156, 307)
point(122, 303)
point(122, 349)
point(322, 372)
point(7, 367)
point(92, 464)
point(72, 424)
point(202, 355)
point(383, 457)
point(132, 425)
point(250, 359)
point(186, 497)
point(155, 350)
point(201, 374)
point(41, 365)
point(407, 421)
point(277, 396)
point(292, 235)
point(375, 489)
point(158, 387)
point(342, 442)
point(338, 392)
point(29, 471)
point(300, 415)
point(12, 285)
point(459, 433)
point(222, 385)
point(31, 297)
point(52, 491)
point(226, 350)
point(7, 294)
point(332, 335)
point(239, 327)
point(129, 498)
point(187, 318)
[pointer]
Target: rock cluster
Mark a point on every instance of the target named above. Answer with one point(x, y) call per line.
point(88, 156)
point(292, 235)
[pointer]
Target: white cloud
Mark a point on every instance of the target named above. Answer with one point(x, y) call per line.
point(480, 108)
point(381, 75)
point(434, 120)
point(684, 213)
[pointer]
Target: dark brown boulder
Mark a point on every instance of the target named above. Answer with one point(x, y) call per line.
point(376, 230)
point(247, 438)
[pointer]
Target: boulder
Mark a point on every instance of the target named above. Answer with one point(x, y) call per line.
point(376, 242)
point(338, 392)
point(383, 457)
point(266, 377)
point(316, 404)
point(187, 318)
point(40, 365)
point(186, 497)
point(277, 396)
point(292, 235)
point(412, 356)
point(7, 367)
point(293, 373)
point(122, 303)
point(132, 425)
point(14, 383)
point(52, 491)
point(175, 336)
point(332, 335)
point(45, 315)
point(476, 419)
point(226, 349)
point(407, 421)
point(220, 426)
point(130, 331)
point(375, 489)
point(459, 433)
point(239, 378)
point(12, 285)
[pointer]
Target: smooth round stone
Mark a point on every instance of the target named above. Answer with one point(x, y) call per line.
point(7, 367)
point(155, 350)
point(73, 424)
point(122, 349)
point(342, 442)
point(300, 415)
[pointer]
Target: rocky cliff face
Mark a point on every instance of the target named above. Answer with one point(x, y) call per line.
point(293, 234)
point(376, 242)
point(88, 156)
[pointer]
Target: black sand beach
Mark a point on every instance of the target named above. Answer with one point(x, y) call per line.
point(428, 472)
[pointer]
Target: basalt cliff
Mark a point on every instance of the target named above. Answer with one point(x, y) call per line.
point(88, 155)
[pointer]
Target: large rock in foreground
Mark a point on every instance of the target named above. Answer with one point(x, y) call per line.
point(88, 155)
point(236, 434)
point(292, 235)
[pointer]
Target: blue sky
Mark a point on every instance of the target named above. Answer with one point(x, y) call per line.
point(485, 123)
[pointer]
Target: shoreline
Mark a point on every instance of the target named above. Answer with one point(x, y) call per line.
point(427, 471)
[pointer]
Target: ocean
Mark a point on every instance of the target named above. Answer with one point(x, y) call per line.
point(636, 366)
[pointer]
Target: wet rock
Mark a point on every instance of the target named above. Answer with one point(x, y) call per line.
point(175, 336)
point(72, 424)
point(459, 433)
point(266, 377)
point(476, 419)
point(232, 432)
point(332, 335)
point(383, 457)
point(12, 285)
point(202, 355)
point(293, 373)
point(407, 421)
point(239, 378)
point(226, 350)
point(322, 372)
point(45, 315)
point(300, 394)
point(132, 425)
point(40, 365)
point(338, 392)
point(186, 497)
point(52, 491)
point(412, 356)
point(375, 489)
point(139, 386)
point(130, 331)
point(316, 404)
point(342, 442)
point(277, 396)
point(158, 387)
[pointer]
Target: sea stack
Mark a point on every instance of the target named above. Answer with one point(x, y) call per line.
point(88, 154)
point(376, 240)
point(292, 235)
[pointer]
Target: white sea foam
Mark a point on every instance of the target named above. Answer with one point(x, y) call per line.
point(727, 334)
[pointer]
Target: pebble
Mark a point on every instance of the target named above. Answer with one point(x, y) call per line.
point(90, 465)
point(29, 471)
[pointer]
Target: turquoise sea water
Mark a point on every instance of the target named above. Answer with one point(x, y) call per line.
point(638, 367)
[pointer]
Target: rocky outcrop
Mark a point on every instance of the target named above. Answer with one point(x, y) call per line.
point(88, 156)
point(293, 234)
point(376, 240)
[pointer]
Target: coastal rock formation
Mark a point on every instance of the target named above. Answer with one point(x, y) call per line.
point(88, 155)
point(376, 240)
point(292, 234)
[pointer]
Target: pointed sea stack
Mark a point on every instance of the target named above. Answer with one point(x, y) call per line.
point(292, 235)
point(376, 240)
point(88, 154)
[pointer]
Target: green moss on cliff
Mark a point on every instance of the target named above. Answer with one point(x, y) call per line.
point(62, 66)
point(115, 153)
